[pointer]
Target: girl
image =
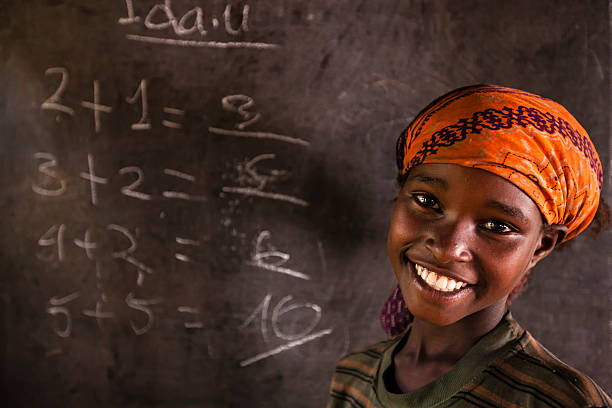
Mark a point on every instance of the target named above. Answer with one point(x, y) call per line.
point(491, 180)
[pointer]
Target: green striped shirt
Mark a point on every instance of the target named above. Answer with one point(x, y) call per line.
point(505, 368)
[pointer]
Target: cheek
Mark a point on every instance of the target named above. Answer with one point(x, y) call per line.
point(507, 265)
point(401, 229)
point(392, 236)
point(396, 239)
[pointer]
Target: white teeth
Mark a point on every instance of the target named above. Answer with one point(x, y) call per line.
point(441, 283)
point(431, 278)
point(438, 282)
point(419, 269)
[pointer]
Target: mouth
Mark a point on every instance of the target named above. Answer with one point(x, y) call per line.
point(438, 281)
point(437, 286)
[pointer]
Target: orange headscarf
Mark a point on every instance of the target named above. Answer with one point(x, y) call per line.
point(531, 141)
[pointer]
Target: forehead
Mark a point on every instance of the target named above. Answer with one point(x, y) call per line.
point(475, 186)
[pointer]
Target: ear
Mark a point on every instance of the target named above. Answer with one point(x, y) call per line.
point(551, 236)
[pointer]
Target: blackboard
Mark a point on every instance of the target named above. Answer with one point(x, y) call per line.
point(195, 194)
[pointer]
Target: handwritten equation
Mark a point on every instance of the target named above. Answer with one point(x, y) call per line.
point(282, 321)
point(252, 181)
point(239, 104)
point(267, 320)
point(53, 180)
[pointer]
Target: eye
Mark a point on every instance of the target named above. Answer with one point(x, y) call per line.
point(426, 200)
point(497, 227)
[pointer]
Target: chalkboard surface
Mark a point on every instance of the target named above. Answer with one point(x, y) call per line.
point(195, 194)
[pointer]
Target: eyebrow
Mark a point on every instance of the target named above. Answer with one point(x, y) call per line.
point(438, 182)
point(507, 209)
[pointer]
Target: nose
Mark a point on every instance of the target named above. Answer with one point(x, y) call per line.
point(449, 241)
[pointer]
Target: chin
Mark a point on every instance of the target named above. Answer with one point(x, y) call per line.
point(437, 319)
point(434, 314)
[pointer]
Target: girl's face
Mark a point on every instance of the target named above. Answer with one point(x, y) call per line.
point(460, 240)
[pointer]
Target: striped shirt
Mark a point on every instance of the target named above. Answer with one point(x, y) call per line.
point(505, 368)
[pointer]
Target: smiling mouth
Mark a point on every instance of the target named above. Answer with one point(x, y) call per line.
point(439, 282)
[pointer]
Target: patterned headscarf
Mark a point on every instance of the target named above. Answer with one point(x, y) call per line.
point(531, 141)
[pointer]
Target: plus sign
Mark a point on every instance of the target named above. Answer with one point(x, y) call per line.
point(93, 179)
point(87, 244)
point(98, 313)
point(96, 106)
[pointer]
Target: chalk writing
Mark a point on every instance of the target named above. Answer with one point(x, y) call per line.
point(54, 101)
point(244, 26)
point(271, 259)
point(260, 180)
point(261, 309)
point(141, 93)
point(288, 321)
point(185, 241)
point(93, 179)
point(170, 123)
point(142, 305)
point(54, 236)
point(86, 244)
point(125, 254)
point(96, 106)
point(126, 233)
point(98, 313)
point(131, 18)
point(258, 135)
point(196, 14)
point(162, 17)
point(130, 190)
point(182, 257)
point(178, 194)
point(282, 307)
point(248, 174)
point(179, 27)
point(179, 174)
point(265, 319)
point(240, 104)
point(57, 307)
point(140, 324)
point(192, 311)
point(47, 168)
point(285, 347)
point(201, 44)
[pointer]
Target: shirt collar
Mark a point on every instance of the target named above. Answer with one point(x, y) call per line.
point(492, 346)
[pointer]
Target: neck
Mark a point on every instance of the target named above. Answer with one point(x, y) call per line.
point(428, 342)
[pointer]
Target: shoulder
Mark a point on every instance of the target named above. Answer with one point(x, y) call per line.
point(364, 363)
point(352, 384)
point(539, 377)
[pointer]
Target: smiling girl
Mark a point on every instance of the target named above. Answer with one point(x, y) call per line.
point(491, 180)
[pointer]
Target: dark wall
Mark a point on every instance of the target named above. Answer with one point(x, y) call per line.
point(200, 220)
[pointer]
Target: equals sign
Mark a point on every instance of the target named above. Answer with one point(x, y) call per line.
point(185, 241)
point(170, 123)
